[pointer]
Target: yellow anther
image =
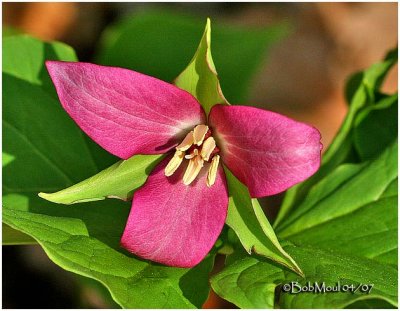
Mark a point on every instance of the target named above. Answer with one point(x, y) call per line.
point(195, 155)
point(212, 171)
point(174, 163)
point(193, 169)
point(199, 132)
point(186, 143)
point(208, 148)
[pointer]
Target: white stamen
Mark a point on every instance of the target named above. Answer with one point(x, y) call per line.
point(199, 132)
point(174, 163)
point(208, 148)
point(193, 169)
point(186, 143)
point(212, 171)
point(195, 155)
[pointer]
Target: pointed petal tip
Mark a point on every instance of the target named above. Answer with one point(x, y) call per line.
point(50, 64)
point(53, 64)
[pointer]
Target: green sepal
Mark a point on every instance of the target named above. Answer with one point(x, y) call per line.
point(119, 181)
point(247, 219)
point(200, 77)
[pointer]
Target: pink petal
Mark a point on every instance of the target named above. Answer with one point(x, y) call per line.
point(124, 111)
point(266, 151)
point(174, 224)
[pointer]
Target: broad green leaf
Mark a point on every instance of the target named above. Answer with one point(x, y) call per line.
point(30, 68)
point(133, 283)
point(51, 153)
point(11, 236)
point(361, 93)
point(251, 282)
point(328, 185)
point(374, 235)
point(332, 267)
point(323, 189)
point(247, 219)
point(58, 146)
point(200, 76)
point(248, 283)
point(366, 186)
point(162, 43)
point(118, 181)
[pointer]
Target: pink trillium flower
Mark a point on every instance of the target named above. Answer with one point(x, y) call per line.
point(178, 214)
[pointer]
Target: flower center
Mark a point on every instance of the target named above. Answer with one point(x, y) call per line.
point(198, 147)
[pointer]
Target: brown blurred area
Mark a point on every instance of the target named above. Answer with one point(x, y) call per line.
point(303, 77)
point(306, 73)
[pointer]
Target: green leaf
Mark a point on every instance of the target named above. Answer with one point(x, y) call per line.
point(363, 85)
point(248, 283)
point(161, 43)
point(39, 147)
point(30, 68)
point(374, 212)
point(374, 235)
point(251, 282)
point(347, 197)
point(362, 93)
point(118, 181)
point(133, 283)
point(200, 76)
point(247, 219)
point(333, 267)
point(50, 152)
point(355, 218)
